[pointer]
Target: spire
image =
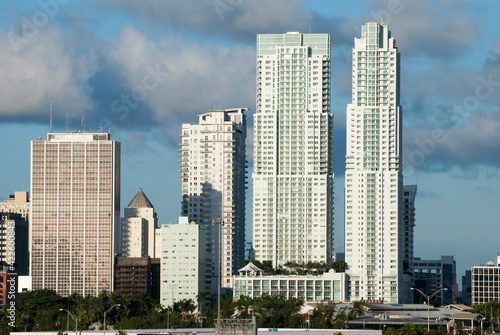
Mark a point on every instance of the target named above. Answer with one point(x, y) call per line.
point(140, 201)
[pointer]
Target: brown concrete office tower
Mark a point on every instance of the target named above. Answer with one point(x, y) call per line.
point(75, 212)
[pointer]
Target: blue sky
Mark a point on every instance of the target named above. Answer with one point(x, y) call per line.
point(142, 68)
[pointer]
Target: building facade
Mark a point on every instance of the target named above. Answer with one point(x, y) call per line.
point(327, 287)
point(132, 276)
point(213, 173)
point(374, 231)
point(431, 275)
point(486, 282)
point(293, 148)
point(75, 212)
point(17, 203)
point(467, 287)
point(409, 194)
point(14, 242)
point(138, 228)
point(184, 267)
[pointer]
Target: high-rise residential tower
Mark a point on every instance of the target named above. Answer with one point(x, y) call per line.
point(213, 174)
point(374, 181)
point(75, 212)
point(293, 170)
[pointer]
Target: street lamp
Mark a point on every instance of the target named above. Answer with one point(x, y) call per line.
point(73, 317)
point(105, 313)
point(428, 297)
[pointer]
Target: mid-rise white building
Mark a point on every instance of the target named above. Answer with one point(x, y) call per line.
point(183, 262)
point(293, 169)
point(213, 174)
point(75, 212)
point(138, 228)
point(327, 287)
point(374, 226)
point(486, 282)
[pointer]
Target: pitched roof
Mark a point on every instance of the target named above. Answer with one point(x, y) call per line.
point(140, 201)
point(466, 316)
point(250, 269)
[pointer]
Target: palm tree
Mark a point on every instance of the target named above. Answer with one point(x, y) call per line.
point(339, 266)
point(408, 329)
point(200, 297)
point(357, 310)
point(341, 319)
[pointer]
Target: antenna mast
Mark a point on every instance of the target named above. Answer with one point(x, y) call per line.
point(50, 114)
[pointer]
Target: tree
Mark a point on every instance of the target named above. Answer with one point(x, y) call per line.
point(339, 266)
point(408, 329)
point(356, 311)
point(322, 316)
point(200, 297)
point(341, 319)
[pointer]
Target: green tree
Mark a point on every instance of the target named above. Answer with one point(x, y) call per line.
point(408, 329)
point(356, 310)
point(201, 297)
point(322, 316)
point(341, 319)
point(339, 266)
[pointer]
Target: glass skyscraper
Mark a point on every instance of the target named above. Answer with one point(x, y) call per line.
point(293, 169)
point(373, 192)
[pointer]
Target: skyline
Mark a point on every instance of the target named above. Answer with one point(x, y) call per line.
point(184, 58)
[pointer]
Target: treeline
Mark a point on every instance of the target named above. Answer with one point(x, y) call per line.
point(41, 310)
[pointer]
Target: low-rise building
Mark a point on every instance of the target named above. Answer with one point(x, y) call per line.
point(133, 275)
point(253, 283)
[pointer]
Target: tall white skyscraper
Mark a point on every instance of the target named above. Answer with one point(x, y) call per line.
point(75, 212)
point(373, 191)
point(213, 173)
point(293, 170)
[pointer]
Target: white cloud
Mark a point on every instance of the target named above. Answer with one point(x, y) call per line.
point(189, 78)
point(38, 69)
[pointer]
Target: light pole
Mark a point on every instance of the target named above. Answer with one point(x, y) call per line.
point(428, 297)
point(105, 313)
point(73, 317)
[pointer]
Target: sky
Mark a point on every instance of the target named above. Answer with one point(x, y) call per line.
point(142, 68)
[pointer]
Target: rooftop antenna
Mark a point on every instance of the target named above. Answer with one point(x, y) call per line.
point(381, 20)
point(72, 117)
point(83, 122)
point(67, 116)
point(50, 115)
